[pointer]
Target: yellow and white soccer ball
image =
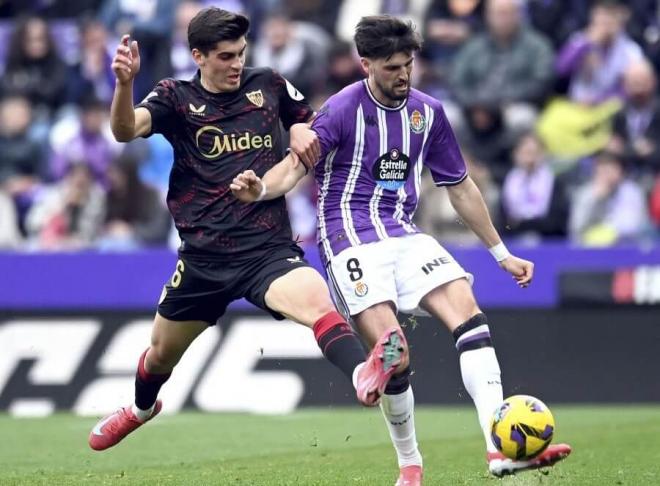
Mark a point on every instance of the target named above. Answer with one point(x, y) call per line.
point(522, 427)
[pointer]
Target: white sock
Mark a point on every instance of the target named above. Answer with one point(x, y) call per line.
point(482, 380)
point(399, 413)
point(355, 374)
point(142, 414)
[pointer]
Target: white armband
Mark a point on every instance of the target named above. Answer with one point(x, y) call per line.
point(499, 252)
point(262, 194)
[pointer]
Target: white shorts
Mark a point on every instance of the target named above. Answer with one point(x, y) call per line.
point(401, 270)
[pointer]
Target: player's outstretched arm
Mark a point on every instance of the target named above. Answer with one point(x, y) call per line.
point(280, 179)
point(126, 122)
point(469, 204)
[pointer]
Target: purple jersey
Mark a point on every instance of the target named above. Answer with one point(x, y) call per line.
point(372, 157)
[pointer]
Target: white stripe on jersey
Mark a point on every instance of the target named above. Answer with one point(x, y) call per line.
point(356, 165)
point(419, 166)
point(323, 193)
point(378, 191)
point(402, 196)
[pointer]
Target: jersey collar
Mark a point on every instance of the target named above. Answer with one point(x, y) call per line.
point(379, 104)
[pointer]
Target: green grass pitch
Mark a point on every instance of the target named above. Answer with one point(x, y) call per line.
point(612, 446)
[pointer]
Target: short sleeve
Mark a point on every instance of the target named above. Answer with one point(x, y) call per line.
point(443, 157)
point(327, 125)
point(294, 107)
point(161, 103)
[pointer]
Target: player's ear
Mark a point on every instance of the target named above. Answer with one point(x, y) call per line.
point(365, 63)
point(198, 57)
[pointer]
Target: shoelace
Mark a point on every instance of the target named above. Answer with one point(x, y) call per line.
point(113, 425)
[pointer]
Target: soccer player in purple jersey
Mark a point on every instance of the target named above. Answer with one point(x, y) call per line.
point(222, 121)
point(376, 136)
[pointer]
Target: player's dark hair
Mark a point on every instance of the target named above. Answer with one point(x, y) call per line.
point(212, 25)
point(382, 36)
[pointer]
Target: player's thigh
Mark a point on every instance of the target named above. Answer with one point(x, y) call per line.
point(170, 339)
point(300, 295)
point(452, 302)
point(363, 276)
point(423, 265)
point(372, 322)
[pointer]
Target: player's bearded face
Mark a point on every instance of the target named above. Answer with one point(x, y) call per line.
point(221, 69)
point(393, 76)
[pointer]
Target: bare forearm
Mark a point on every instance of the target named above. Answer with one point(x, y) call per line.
point(282, 177)
point(122, 114)
point(470, 206)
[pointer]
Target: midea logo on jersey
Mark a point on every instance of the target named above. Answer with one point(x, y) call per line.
point(391, 170)
point(213, 142)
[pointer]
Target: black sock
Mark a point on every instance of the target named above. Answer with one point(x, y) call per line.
point(339, 344)
point(147, 385)
point(399, 383)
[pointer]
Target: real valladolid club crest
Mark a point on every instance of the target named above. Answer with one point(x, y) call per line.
point(256, 98)
point(361, 289)
point(417, 122)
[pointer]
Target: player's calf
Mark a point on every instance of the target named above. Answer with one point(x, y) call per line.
point(339, 344)
point(480, 370)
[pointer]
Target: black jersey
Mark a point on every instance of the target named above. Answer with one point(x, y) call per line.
point(215, 136)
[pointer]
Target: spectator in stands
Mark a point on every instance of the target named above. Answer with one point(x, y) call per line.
point(436, 215)
point(643, 26)
point(534, 201)
point(156, 157)
point(318, 12)
point(50, 9)
point(350, 12)
point(34, 68)
point(343, 67)
point(183, 65)
point(595, 58)
point(609, 208)
point(280, 48)
point(654, 205)
point(448, 25)
point(68, 215)
point(301, 205)
point(485, 135)
point(21, 157)
point(557, 19)
point(92, 73)
point(90, 142)
point(10, 236)
point(510, 66)
point(151, 23)
point(637, 126)
point(135, 215)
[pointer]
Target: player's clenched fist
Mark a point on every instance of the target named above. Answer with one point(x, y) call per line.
point(247, 186)
point(126, 62)
point(521, 270)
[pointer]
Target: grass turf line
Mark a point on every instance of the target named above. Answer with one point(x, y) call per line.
point(346, 446)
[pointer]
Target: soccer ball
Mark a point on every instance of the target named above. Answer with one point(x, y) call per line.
point(522, 427)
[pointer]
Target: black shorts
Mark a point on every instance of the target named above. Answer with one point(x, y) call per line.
point(201, 289)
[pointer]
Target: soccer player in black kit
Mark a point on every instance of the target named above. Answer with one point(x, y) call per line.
point(224, 121)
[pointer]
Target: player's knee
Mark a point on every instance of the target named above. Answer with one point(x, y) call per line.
point(161, 358)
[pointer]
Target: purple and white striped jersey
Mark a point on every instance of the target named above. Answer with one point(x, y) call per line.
point(371, 163)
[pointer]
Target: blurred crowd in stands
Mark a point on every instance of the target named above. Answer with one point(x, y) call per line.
point(554, 102)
